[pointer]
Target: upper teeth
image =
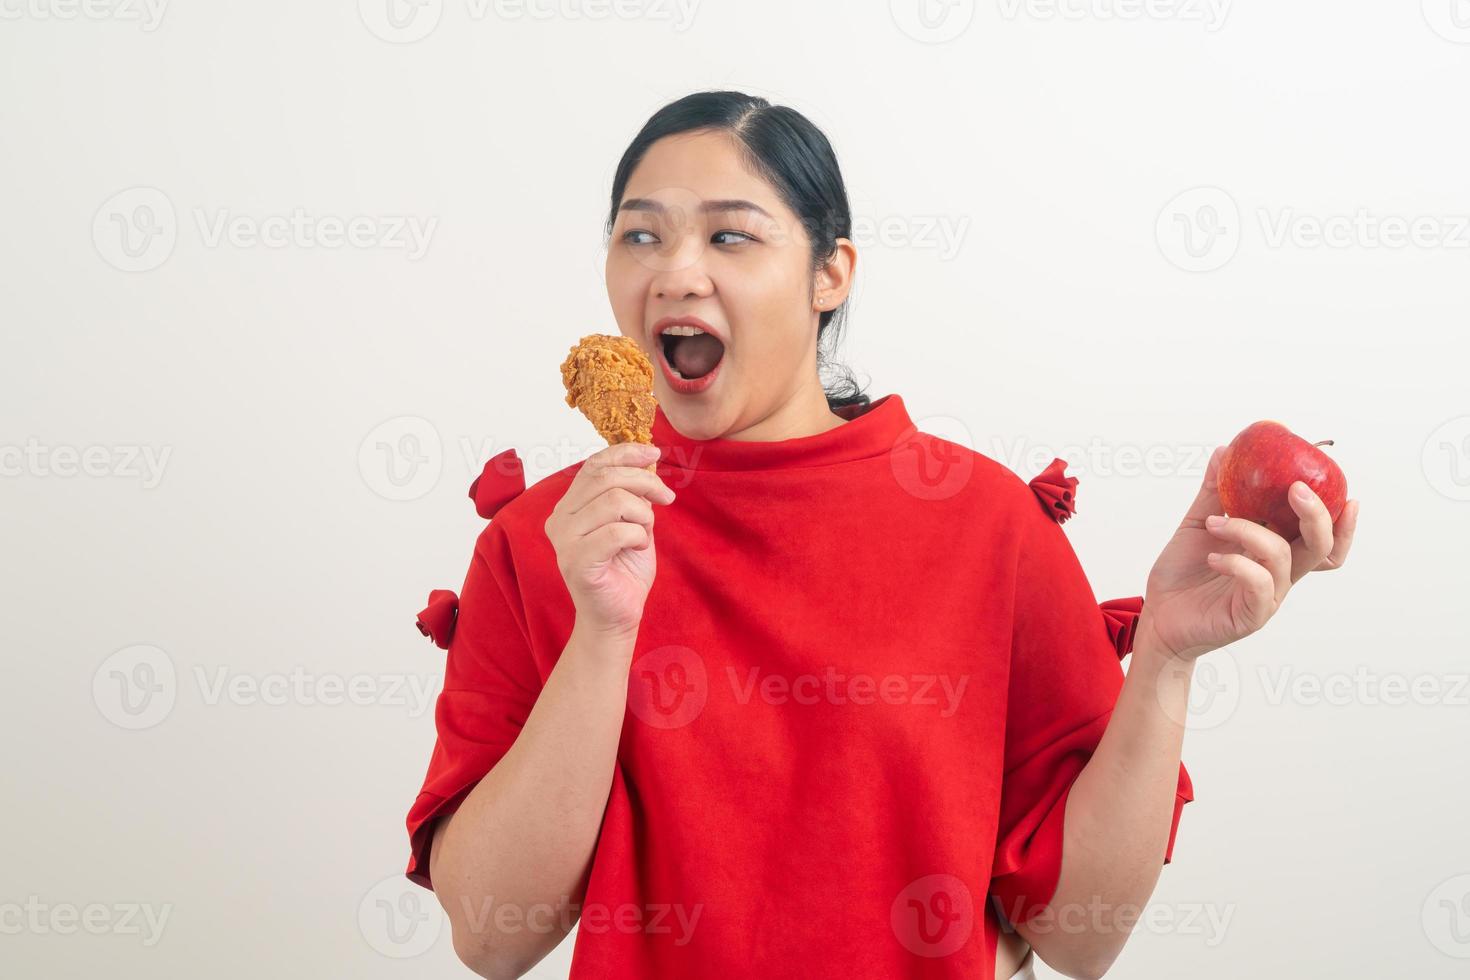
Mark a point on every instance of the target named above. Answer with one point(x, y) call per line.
point(683, 330)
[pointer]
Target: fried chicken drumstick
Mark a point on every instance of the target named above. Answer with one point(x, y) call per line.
point(611, 380)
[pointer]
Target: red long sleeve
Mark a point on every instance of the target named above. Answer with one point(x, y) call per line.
point(1065, 677)
point(490, 684)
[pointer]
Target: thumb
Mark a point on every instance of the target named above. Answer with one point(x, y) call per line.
point(1207, 501)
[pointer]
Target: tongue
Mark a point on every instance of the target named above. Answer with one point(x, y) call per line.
point(696, 356)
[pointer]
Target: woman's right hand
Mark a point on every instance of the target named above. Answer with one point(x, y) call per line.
point(602, 530)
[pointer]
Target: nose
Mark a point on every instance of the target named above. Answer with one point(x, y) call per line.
point(683, 280)
point(679, 293)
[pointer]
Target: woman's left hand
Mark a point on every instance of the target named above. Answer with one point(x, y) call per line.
point(1196, 603)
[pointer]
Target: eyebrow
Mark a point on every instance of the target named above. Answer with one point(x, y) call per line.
point(708, 207)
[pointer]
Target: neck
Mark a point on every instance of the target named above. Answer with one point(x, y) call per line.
point(804, 414)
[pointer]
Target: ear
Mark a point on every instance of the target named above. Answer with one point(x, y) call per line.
point(833, 280)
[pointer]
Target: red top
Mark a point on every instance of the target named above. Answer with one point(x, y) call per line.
point(869, 669)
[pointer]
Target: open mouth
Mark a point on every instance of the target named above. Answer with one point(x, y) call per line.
point(691, 356)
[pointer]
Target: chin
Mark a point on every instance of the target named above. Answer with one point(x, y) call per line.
point(695, 417)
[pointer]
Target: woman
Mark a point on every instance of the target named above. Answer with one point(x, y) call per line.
point(850, 725)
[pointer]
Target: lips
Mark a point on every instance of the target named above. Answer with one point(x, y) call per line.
point(689, 351)
point(687, 386)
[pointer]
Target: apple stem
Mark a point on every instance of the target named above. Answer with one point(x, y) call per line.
point(1324, 442)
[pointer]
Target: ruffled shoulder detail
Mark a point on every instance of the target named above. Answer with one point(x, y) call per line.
point(1122, 619)
point(1056, 491)
point(437, 619)
point(502, 480)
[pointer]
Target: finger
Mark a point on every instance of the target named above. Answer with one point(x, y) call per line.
point(1316, 529)
point(624, 454)
point(1263, 545)
point(1207, 501)
point(1257, 586)
point(605, 542)
point(609, 507)
point(588, 484)
point(1342, 538)
point(640, 455)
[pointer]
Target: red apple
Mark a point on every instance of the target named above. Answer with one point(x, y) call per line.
point(1259, 467)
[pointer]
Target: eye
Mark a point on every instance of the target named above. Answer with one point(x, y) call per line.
point(636, 231)
point(741, 234)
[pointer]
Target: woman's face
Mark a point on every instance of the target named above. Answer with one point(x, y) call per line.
point(698, 235)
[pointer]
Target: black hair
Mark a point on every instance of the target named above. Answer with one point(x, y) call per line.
point(788, 151)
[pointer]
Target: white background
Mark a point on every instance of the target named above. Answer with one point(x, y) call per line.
point(1081, 307)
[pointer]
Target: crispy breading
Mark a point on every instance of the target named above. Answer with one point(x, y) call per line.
point(611, 380)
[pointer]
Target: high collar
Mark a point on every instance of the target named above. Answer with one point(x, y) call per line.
point(871, 430)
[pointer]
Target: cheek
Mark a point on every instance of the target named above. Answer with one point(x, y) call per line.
point(773, 335)
point(766, 302)
point(627, 281)
point(768, 284)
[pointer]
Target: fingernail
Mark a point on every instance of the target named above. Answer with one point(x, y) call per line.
point(1215, 520)
point(1301, 491)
